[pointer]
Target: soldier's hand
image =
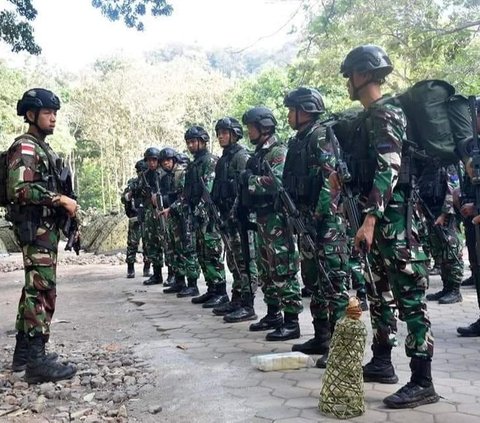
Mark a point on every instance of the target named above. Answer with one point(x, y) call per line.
point(69, 205)
point(165, 212)
point(364, 235)
point(154, 200)
point(334, 181)
point(476, 220)
point(128, 196)
point(440, 221)
point(467, 210)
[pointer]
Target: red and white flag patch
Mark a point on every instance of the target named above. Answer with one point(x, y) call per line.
point(28, 149)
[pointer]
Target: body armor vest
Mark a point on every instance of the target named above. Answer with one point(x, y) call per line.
point(193, 187)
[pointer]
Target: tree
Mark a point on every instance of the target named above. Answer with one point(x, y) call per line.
point(16, 30)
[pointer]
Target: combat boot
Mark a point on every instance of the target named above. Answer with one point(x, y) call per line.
point(234, 304)
point(320, 342)
point(435, 271)
point(418, 391)
point(322, 361)
point(130, 270)
point(170, 277)
point(380, 368)
point(470, 330)
point(470, 281)
point(451, 297)
point(289, 330)
point(362, 296)
point(204, 297)
point(244, 313)
point(39, 369)
point(437, 295)
point(177, 287)
point(156, 278)
point(20, 354)
point(272, 320)
point(220, 296)
point(146, 269)
point(189, 291)
point(306, 292)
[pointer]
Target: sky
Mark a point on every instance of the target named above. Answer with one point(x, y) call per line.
point(72, 33)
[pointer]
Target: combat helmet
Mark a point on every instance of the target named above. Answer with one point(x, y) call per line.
point(152, 152)
point(141, 166)
point(168, 153)
point(367, 58)
point(261, 116)
point(305, 98)
point(196, 132)
point(231, 124)
point(37, 98)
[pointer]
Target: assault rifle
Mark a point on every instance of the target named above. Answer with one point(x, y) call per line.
point(159, 208)
point(71, 227)
point(293, 217)
point(476, 170)
point(349, 204)
point(214, 215)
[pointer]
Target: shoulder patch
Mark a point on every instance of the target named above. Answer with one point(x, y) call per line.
point(27, 149)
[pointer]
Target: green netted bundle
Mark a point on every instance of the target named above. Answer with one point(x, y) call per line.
point(342, 392)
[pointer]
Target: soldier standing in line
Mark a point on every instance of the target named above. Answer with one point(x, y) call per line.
point(224, 192)
point(308, 165)
point(152, 237)
point(132, 201)
point(387, 234)
point(436, 185)
point(37, 211)
point(179, 238)
point(199, 177)
point(278, 257)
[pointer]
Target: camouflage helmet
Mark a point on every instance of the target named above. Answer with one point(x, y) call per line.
point(259, 115)
point(305, 98)
point(196, 132)
point(141, 166)
point(152, 152)
point(168, 153)
point(35, 99)
point(367, 58)
point(231, 124)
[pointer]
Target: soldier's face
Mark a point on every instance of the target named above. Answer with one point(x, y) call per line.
point(46, 120)
point(253, 133)
point(152, 163)
point(195, 145)
point(167, 164)
point(297, 117)
point(224, 137)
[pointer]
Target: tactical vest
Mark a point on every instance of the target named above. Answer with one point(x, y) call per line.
point(302, 160)
point(432, 184)
point(193, 188)
point(224, 190)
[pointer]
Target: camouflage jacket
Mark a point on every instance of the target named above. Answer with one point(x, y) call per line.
point(132, 192)
point(149, 183)
point(172, 184)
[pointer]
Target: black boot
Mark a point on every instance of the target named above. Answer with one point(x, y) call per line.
point(418, 391)
point(130, 270)
point(244, 313)
point(220, 296)
point(146, 269)
point(362, 296)
point(39, 369)
point(306, 292)
point(322, 361)
point(189, 291)
point(289, 330)
point(320, 342)
point(170, 277)
point(437, 295)
point(451, 297)
point(234, 304)
point(380, 368)
point(204, 297)
point(177, 287)
point(470, 281)
point(272, 320)
point(470, 330)
point(156, 278)
point(20, 355)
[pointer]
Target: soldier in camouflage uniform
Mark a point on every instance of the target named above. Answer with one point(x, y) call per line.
point(179, 237)
point(436, 185)
point(308, 165)
point(131, 200)
point(37, 211)
point(152, 236)
point(199, 177)
point(278, 258)
point(388, 232)
point(224, 192)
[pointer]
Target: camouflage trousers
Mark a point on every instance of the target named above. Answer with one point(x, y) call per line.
point(400, 275)
point(209, 250)
point(133, 240)
point(333, 254)
point(37, 301)
point(355, 265)
point(152, 238)
point(244, 282)
point(278, 262)
point(444, 253)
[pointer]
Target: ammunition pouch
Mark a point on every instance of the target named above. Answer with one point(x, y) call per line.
point(26, 220)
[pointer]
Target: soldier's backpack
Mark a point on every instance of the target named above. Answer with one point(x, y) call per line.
point(3, 178)
point(438, 120)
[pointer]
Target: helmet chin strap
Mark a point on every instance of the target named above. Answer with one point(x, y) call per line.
point(35, 123)
point(356, 90)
